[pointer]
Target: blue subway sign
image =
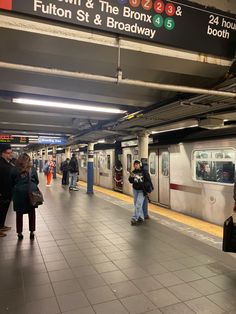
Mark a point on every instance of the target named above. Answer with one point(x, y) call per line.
point(176, 23)
point(52, 140)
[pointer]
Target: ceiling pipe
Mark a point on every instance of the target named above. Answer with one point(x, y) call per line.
point(118, 79)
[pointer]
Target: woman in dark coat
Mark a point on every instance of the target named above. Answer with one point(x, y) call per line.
point(20, 183)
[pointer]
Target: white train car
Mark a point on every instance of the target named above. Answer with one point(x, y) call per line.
point(194, 178)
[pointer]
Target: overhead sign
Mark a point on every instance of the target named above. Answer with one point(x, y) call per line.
point(180, 23)
point(52, 140)
point(13, 139)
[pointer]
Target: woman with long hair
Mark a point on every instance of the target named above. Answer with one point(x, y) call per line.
point(24, 177)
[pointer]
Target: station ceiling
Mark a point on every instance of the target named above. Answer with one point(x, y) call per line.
point(30, 51)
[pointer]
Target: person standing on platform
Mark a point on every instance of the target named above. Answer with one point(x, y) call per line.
point(5, 185)
point(141, 182)
point(73, 173)
point(23, 178)
point(48, 170)
point(64, 169)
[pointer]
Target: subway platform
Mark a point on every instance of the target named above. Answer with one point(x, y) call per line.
point(87, 258)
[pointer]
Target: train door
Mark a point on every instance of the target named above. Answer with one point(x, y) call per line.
point(164, 176)
point(129, 155)
point(153, 170)
point(96, 168)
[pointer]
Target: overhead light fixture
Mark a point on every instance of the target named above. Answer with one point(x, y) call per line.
point(53, 104)
point(175, 129)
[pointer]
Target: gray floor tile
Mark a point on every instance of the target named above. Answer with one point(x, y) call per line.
point(147, 284)
point(124, 289)
point(168, 279)
point(100, 295)
point(187, 275)
point(179, 308)
point(38, 292)
point(72, 301)
point(134, 272)
point(226, 300)
point(222, 282)
point(203, 305)
point(59, 275)
point(204, 286)
point(84, 271)
point(45, 306)
point(137, 304)
point(85, 310)
point(156, 311)
point(105, 267)
point(113, 307)
point(66, 287)
point(162, 298)
point(185, 292)
point(155, 269)
point(37, 279)
point(172, 265)
point(58, 265)
point(114, 276)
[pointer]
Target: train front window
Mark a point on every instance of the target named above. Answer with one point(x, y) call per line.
point(109, 162)
point(129, 162)
point(218, 167)
point(165, 164)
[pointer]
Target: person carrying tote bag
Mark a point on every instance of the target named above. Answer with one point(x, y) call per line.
point(24, 181)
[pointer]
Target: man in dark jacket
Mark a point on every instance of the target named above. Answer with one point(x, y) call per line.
point(73, 173)
point(64, 169)
point(141, 187)
point(5, 185)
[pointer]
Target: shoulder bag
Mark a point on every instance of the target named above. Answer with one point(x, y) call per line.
point(35, 197)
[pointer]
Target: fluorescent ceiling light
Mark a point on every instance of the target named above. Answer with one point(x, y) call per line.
point(53, 104)
point(175, 129)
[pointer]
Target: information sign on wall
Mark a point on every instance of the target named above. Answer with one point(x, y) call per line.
point(178, 23)
point(13, 139)
point(52, 140)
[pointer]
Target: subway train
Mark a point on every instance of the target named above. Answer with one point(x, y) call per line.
point(195, 178)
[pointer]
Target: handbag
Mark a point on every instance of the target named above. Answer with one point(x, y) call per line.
point(229, 236)
point(35, 197)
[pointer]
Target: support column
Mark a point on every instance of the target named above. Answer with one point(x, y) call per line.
point(143, 148)
point(54, 157)
point(68, 152)
point(46, 154)
point(90, 154)
point(41, 161)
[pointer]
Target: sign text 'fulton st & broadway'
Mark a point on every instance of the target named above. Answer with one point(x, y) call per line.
point(178, 23)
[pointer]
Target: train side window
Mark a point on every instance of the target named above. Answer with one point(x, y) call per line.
point(84, 161)
point(152, 163)
point(218, 167)
point(109, 162)
point(165, 164)
point(129, 162)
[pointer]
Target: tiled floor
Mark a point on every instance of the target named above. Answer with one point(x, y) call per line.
point(88, 259)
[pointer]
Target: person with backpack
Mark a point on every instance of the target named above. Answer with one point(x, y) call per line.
point(73, 173)
point(142, 186)
point(64, 169)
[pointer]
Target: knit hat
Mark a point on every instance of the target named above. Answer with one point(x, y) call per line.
point(4, 147)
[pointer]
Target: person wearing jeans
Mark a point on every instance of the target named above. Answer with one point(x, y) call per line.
point(138, 205)
point(73, 173)
point(142, 185)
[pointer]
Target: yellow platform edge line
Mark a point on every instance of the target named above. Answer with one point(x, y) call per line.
point(187, 220)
